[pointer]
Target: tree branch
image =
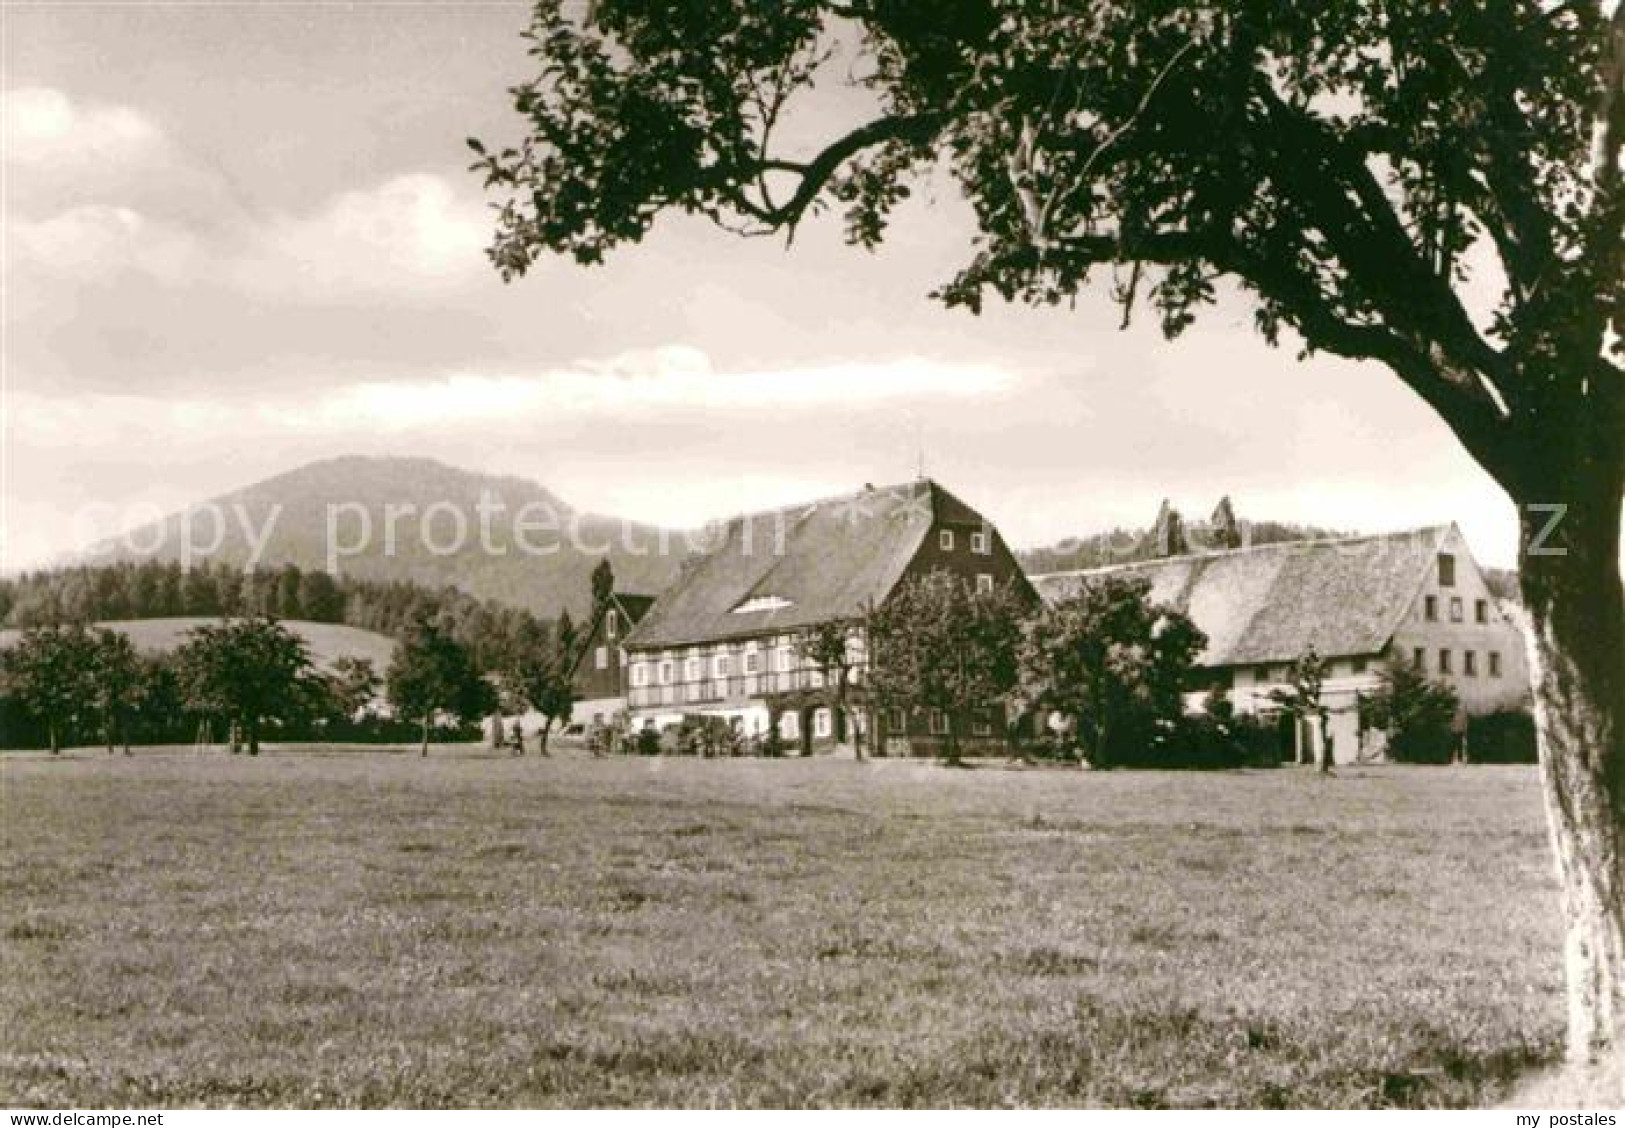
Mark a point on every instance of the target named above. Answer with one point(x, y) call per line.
point(916, 129)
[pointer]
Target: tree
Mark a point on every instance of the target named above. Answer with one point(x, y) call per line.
point(1110, 661)
point(116, 679)
point(935, 643)
point(1301, 700)
point(50, 671)
point(828, 648)
point(1355, 168)
point(538, 671)
point(353, 683)
point(247, 671)
point(319, 597)
point(432, 673)
point(1415, 712)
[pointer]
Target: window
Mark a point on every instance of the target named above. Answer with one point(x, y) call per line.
point(691, 670)
point(753, 662)
point(821, 722)
point(1455, 608)
point(640, 674)
point(1481, 610)
point(719, 666)
point(1469, 663)
point(1447, 570)
point(1430, 608)
point(1495, 663)
point(897, 722)
point(789, 726)
point(984, 583)
point(611, 623)
point(979, 542)
point(938, 722)
point(982, 724)
point(665, 673)
point(1444, 661)
point(1357, 666)
point(945, 539)
point(1418, 658)
point(601, 658)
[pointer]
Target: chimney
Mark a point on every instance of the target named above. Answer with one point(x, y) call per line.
point(1226, 529)
point(1168, 535)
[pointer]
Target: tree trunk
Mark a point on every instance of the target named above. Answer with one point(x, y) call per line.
point(541, 736)
point(1576, 641)
point(425, 750)
point(252, 728)
point(56, 740)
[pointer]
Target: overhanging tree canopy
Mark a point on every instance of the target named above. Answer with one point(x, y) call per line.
point(1351, 165)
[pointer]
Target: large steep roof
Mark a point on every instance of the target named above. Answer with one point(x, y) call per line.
point(1270, 603)
point(790, 568)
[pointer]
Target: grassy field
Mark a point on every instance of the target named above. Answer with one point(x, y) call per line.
point(330, 927)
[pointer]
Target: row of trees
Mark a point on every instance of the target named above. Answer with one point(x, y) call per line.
point(1111, 663)
point(1108, 660)
point(248, 673)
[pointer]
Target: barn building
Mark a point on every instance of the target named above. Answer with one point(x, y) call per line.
point(723, 640)
point(599, 680)
point(1415, 596)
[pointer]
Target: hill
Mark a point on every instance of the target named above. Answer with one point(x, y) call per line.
point(328, 642)
point(419, 521)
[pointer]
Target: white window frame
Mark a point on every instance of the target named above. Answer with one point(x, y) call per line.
point(610, 623)
point(937, 722)
point(984, 583)
point(981, 542)
point(945, 539)
point(719, 666)
point(601, 658)
point(823, 723)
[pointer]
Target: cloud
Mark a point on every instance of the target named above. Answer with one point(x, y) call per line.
point(92, 244)
point(43, 127)
point(410, 234)
point(652, 383)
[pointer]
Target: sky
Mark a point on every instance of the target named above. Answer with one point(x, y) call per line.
point(239, 237)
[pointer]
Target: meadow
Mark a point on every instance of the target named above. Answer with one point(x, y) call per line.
point(334, 927)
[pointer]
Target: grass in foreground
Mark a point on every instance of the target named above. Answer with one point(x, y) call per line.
point(360, 928)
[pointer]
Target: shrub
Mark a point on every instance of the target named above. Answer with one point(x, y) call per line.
point(1417, 714)
point(1506, 736)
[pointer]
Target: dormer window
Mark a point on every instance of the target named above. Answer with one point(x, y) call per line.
point(945, 540)
point(611, 623)
point(979, 542)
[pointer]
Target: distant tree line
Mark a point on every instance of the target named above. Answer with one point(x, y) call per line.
point(154, 589)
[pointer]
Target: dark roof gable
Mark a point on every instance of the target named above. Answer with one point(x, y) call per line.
point(1270, 603)
point(790, 568)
